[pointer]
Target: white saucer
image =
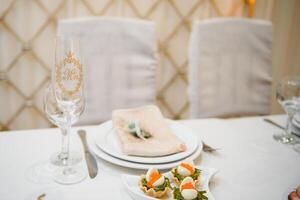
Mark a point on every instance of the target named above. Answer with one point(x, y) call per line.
point(133, 165)
point(107, 140)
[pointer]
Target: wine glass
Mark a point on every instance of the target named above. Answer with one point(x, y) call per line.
point(288, 96)
point(57, 117)
point(67, 85)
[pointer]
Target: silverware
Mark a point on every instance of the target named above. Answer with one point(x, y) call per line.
point(209, 149)
point(41, 197)
point(89, 158)
point(273, 123)
point(294, 136)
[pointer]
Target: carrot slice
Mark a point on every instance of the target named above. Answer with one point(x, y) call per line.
point(187, 186)
point(188, 167)
point(153, 177)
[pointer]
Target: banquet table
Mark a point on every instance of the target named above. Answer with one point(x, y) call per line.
point(252, 165)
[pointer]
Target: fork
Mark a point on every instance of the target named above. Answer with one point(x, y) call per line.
point(273, 123)
point(209, 149)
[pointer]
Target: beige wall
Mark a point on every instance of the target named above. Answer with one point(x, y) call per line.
point(27, 28)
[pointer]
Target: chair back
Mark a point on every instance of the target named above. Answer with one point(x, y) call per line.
point(230, 68)
point(119, 63)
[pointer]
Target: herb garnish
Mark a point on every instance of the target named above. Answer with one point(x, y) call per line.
point(177, 195)
point(134, 130)
point(161, 187)
point(194, 176)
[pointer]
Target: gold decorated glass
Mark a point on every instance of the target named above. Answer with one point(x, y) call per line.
point(67, 85)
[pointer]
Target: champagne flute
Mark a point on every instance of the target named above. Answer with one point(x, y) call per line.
point(288, 96)
point(67, 84)
point(56, 116)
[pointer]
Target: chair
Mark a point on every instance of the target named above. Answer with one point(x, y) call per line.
point(230, 66)
point(119, 63)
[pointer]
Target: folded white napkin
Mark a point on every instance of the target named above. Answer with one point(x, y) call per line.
point(162, 141)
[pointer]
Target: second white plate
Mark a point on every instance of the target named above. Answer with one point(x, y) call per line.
point(135, 165)
point(131, 184)
point(107, 140)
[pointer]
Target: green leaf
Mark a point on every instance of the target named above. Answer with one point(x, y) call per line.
point(157, 188)
point(177, 194)
point(144, 183)
point(133, 134)
point(132, 129)
point(201, 195)
point(196, 174)
point(131, 126)
point(163, 186)
point(178, 176)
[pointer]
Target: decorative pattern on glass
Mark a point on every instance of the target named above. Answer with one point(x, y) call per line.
point(69, 74)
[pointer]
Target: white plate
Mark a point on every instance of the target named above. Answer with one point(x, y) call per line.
point(131, 184)
point(107, 141)
point(133, 165)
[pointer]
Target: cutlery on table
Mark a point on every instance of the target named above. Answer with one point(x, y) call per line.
point(89, 158)
point(273, 123)
point(294, 135)
point(209, 149)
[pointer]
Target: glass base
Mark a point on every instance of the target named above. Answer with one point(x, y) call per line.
point(283, 138)
point(69, 175)
point(74, 158)
point(296, 147)
point(40, 172)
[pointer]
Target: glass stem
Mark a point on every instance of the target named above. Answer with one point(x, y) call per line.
point(289, 124)
point(68, 170)
point(64, 155)
point(288, 130)
point(66, 130)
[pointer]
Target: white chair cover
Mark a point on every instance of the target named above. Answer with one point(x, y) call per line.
point(230, 68)
point(119, 63)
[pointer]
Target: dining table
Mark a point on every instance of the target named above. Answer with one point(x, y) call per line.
point(251, 164)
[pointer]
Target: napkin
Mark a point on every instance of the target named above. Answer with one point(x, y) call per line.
point(162, 141)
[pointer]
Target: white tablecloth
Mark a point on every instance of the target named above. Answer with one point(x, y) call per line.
point(252, 165)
